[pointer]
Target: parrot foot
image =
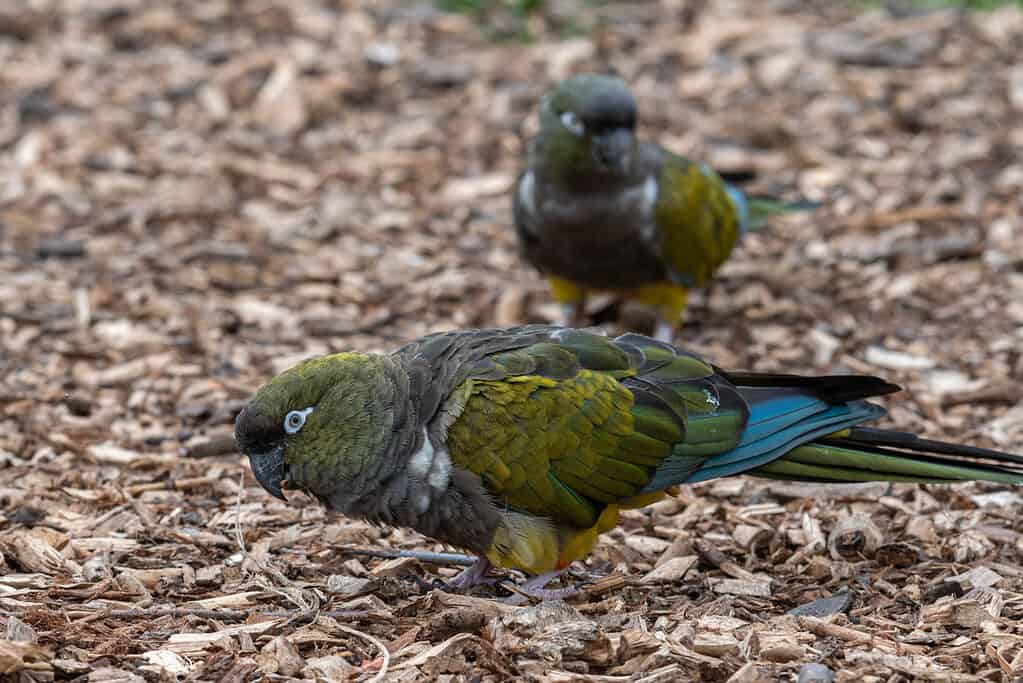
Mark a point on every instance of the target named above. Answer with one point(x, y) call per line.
point(534, 588)
point(473, 575)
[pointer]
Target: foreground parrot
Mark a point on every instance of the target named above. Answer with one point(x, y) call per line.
point(596, 210)
point(522, 444)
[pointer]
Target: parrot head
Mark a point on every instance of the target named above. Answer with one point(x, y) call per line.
point(318, 425)
point(587, 126)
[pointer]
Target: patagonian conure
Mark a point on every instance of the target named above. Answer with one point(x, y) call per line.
point(597, 210)
point(522, 444)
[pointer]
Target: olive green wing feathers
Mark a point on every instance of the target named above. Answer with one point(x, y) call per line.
point(564, 427)
point(568, 424)
point(561, 423)
point(699, 219)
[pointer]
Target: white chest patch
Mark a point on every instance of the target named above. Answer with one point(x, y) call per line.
point(431, 466)
point(440, 473)
point(647, 202)
point(527, 192)
point(649, 193)
point(420, 462)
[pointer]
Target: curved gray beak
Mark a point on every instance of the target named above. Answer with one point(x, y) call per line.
point(612, 150)
point(268, 468)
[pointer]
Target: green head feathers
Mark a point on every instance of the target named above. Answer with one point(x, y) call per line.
point(319, 425)
point(586, 129)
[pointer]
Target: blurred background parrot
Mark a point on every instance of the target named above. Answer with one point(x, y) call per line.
point(522, 444)
point(597, 210)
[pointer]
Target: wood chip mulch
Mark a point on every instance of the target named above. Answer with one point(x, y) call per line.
point(194, 195)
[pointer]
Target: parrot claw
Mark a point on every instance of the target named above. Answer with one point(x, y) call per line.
point(473, 575)
point(476, 574)
point(452, 586)
point(534, 589)
point(540, 595)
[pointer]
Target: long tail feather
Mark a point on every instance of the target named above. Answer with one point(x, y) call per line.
point(912, 442)
point(865, 454)
point(754, 212)
point(830, 388)
point(723, 423)
point(762, 208)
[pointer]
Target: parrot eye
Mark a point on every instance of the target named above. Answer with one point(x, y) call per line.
point(572, 123)
point(295, 420)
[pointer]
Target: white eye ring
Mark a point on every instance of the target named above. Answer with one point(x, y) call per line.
point(295, 420)
point(570, 121)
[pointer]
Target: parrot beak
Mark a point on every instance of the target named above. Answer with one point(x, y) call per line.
point(269, 469)
point(262, 439)
point(612, 150)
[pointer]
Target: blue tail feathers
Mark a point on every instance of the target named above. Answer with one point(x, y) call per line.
point(780, 419)
point(754, 212)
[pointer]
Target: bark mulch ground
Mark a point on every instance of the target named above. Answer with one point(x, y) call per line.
point(194, 195)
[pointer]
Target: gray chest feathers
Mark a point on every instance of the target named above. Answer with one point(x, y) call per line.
point(601, 239)
point(430, 494)
point(408, 492)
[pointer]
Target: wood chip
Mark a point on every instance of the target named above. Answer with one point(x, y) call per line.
point(853, 536)
point(672, 570)
point(741, 587)
point(197, 196)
